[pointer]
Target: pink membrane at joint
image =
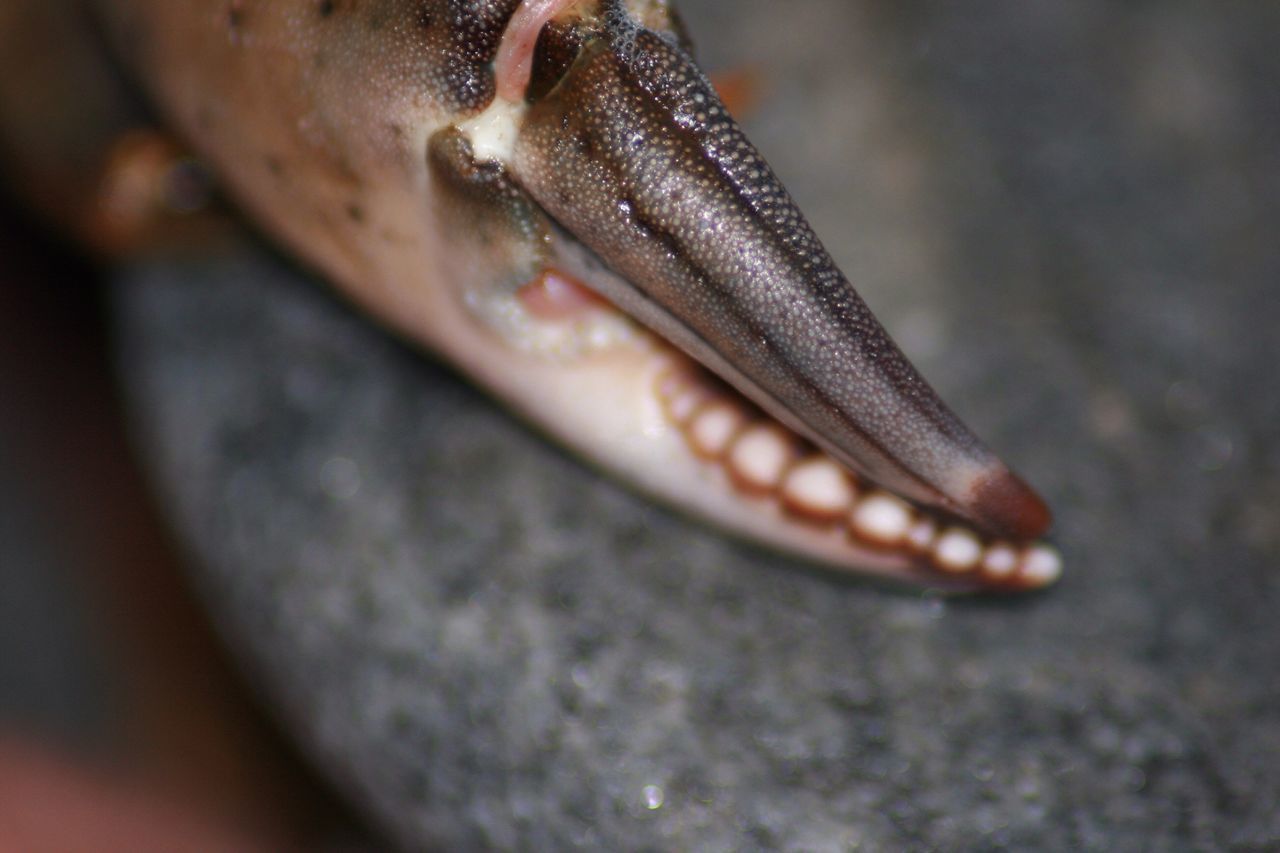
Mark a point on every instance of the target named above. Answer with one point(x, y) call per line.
point(514, 63)
point(553, 295)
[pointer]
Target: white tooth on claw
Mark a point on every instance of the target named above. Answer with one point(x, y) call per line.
point(818, 486)
point(957, 550)
point(882, 518)
point(1000, 561)
point(714, 426)
point(1041, 566)
point(921, 535)
point(760, 456)
point(682, 396)
point(671, 384)
point(685, 404)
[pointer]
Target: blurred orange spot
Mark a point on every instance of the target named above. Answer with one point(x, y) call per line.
point(147, 182)
point(739, 88)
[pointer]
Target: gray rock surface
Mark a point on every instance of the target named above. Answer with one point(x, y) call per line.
point(1067, 213)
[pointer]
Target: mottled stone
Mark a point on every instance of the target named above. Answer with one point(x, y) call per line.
point(1066, 212)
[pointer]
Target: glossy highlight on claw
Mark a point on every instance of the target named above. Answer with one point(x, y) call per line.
point(551, 195)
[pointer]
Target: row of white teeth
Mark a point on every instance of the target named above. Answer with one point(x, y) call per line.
point(765, 460)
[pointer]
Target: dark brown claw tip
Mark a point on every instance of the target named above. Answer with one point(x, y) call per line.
point(1009, 507)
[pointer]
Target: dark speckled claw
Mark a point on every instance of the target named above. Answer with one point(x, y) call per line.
point(633, 153)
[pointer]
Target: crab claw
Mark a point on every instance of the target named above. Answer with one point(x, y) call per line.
point(572, 146)
point(684, 226)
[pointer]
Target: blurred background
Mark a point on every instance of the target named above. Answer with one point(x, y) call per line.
point(115, 699)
